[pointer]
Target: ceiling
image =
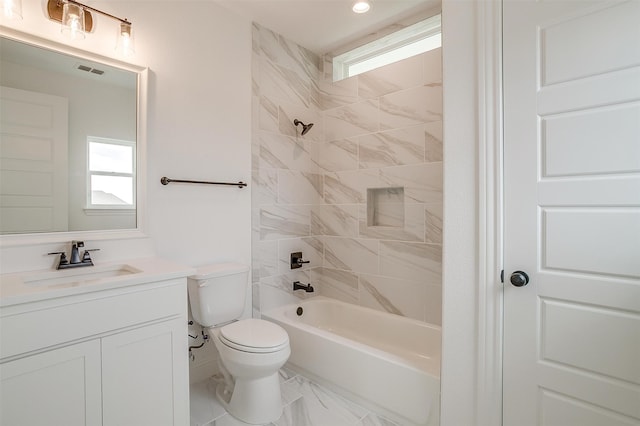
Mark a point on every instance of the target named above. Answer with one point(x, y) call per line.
point(324, 26)
point(51, 61)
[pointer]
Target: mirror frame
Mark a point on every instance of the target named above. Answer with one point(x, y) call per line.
point(9, 240)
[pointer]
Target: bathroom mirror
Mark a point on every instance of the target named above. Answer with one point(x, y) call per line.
point(71, 139)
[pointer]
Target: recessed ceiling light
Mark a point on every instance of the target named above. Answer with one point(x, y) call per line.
point(361, 6)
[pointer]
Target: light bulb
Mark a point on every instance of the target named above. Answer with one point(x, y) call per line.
point(361, 6)
point(73, 21)
point(125, 40)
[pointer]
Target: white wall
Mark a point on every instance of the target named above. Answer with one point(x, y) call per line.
point(459, 374)
point(199, 128)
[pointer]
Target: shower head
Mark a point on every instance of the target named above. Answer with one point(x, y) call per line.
point(305, 127)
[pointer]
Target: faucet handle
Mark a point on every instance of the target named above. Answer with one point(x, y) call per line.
point(86, 256)
point(63, 257)
point(297, 261)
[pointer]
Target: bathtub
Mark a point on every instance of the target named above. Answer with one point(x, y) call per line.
point(386, 362)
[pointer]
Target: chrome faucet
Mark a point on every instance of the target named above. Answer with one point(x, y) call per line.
point(297, 285)
point(75, 260)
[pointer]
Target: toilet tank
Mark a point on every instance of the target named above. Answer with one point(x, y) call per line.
point(217, 293)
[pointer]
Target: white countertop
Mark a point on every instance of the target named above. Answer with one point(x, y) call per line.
point(33, 286)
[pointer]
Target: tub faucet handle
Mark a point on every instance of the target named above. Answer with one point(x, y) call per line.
point(297, 261)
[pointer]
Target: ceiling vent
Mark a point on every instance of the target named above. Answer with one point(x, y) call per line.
point(90, 69)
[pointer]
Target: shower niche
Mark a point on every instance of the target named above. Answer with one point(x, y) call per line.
point(385, 207)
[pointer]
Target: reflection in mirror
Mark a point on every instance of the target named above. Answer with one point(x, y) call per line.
point(67, 142)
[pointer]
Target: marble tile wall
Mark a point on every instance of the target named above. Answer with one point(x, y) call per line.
point(380, 129)
point(287, 181)
point(383, 129)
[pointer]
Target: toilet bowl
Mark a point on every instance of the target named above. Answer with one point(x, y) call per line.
point(251, 351)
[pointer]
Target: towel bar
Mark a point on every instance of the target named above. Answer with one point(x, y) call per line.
point(166, 181)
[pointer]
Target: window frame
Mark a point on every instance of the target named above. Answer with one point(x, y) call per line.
point(89, 206)
point(413, 34)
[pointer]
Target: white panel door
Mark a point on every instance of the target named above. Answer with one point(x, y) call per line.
point(572, 212)
point(33, 162)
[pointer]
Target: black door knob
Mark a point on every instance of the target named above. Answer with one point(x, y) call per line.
point(519, 278)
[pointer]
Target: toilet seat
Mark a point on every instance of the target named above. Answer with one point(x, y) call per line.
point(254, 335)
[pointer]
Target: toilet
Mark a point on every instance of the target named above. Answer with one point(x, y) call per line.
point(251, 350)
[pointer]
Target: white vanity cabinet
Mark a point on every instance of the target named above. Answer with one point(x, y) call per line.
point(115, 357)
point(57, 387)
point(139, 375)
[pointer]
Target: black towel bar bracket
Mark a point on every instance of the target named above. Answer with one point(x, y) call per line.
point(166, 181)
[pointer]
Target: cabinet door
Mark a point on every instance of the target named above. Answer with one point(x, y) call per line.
point(58, 387)
point(145, 376)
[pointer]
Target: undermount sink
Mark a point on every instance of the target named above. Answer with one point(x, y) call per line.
point(80, 276)
point(17, 288)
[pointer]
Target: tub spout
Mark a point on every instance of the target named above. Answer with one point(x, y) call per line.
point(297, 285)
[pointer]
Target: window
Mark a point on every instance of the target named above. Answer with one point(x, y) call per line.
point(410, 41)
point(111, 173)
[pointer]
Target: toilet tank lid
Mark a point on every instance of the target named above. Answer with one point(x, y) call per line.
point(219, 270)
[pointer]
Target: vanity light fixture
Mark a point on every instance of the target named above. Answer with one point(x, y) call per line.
point(12, 9)
point(73, 21)
point(125, 39)
point(361, 6)
point(76, 20)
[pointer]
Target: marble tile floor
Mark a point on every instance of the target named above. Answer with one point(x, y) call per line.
point(305, 403)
